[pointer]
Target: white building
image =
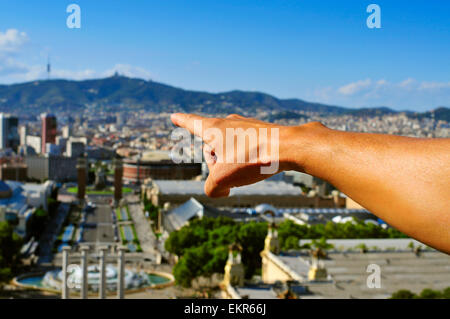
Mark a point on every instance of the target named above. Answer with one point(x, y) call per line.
point(19, 200)
point(35, 142)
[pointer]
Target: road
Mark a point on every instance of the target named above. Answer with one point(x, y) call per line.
point(146, 237)
point(101, 222)
point(51, 233)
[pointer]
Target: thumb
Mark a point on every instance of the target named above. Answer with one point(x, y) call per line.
point(212, 189)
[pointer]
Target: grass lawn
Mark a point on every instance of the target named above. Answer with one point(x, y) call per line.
point(118, 214)
point(91, 191)
point(128, 212)
point(122, 235)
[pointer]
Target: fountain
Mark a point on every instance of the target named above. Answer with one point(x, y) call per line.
point(97, 278)
point(133, 279)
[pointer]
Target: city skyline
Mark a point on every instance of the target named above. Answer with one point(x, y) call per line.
point(319, 52)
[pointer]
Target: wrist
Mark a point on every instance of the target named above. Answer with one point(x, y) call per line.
point(300, 144)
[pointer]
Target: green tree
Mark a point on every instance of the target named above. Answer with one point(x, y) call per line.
point(202, 246)
point(362, 248)
point(251, 237)
point(289, 233)
point(428, 293)
point(291, 243)
point(322, 244)
point(10, 244)
point(403, 294)
point(446, 293)
point(199, 261)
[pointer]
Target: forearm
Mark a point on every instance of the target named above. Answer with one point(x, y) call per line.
point(404, 181)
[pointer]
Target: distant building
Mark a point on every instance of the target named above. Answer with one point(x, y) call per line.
point(66, 131)
point(62, 143)
point(23, 132)
point(55, 168)
point(49, 130)
point(9, 132)
point(26, 150)
point(35, 142)
point(320, 186)
point(99, 153)
point(278, 194)
point(298, 178)
point(339, 272)
point(279, 280)
point(180, 216)
point(53, 149)
point(19, 200)
point(120, 119)
point(13, 172)
point(74, 148)
point(158, 165)
point(311, 216)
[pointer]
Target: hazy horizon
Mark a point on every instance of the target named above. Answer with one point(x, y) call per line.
point(221, 92)
point(321, 52)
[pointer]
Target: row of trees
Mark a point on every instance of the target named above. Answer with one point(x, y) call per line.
point(152, 211)
point(289, 232)
point(202, 245)
point(10, 244)
point(425, 294)
point(40, 219)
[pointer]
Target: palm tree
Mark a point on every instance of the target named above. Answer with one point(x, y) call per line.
point(362, 248)
point(320, 247)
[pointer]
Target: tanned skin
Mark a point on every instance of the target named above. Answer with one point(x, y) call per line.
point(405, 181)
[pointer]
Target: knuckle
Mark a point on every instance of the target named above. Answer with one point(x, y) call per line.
point(215, 122)
point(316, 124)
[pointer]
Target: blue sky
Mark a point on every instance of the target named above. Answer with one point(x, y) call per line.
point(319, 51)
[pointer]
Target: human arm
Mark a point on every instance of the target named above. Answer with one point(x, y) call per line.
point(404, 181)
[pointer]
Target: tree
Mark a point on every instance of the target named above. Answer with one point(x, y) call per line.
point(320, 247)
point(362, 248)
point(446, 293)
point(202, 246)
point(10, 244)
point(38, 221)
point(251, 237)
point(5, 275)
point(428, 293)
point(199, 261)
point(289, 233)
point(291, 242)
point(403, 294)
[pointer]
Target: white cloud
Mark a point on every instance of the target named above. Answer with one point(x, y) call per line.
point(406, 94)
point(355, 87)
point(10, 66)
point(368, 87)
point(12, 40)
point(12, 70)
point(408, 83)
point(434, 86)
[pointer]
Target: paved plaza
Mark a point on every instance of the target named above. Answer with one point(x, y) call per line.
point(399, 270)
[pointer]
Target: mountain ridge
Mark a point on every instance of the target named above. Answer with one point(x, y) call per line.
point(118, 91)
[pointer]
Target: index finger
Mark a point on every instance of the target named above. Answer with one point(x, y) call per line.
point(187, 121)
